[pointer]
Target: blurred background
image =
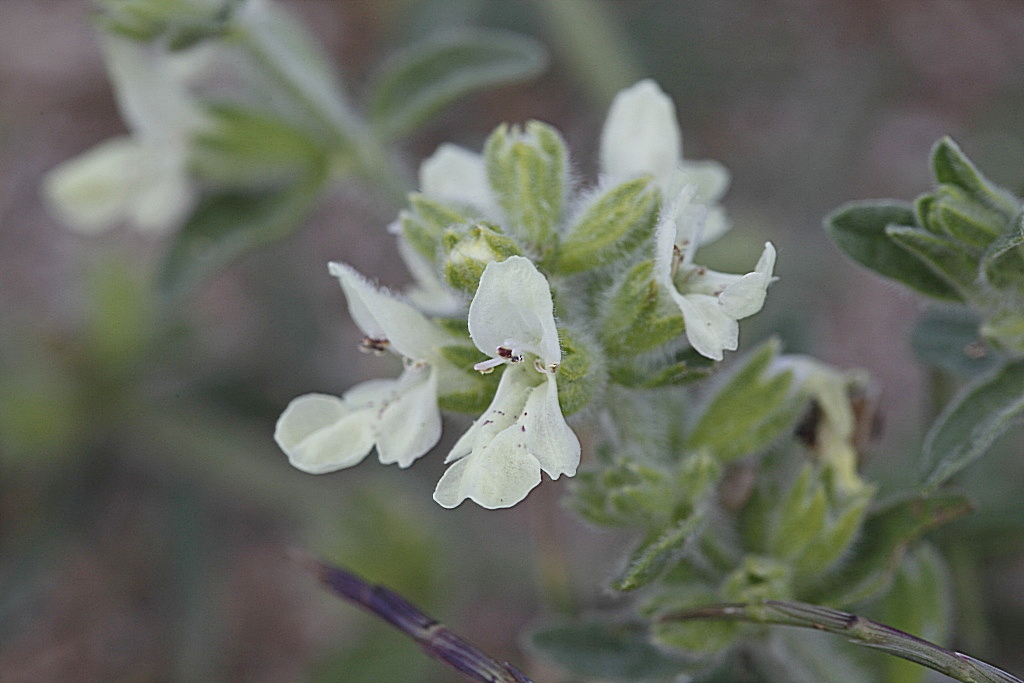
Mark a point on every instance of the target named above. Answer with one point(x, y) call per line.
point(145, 512)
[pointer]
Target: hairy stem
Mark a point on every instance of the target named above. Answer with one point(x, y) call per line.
point(858, 630)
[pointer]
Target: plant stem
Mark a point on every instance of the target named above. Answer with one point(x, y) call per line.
point(434, 637)
point(858, 630)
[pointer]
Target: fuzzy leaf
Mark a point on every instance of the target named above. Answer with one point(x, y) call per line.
point(652, 558)
point(972, 422)
point(1003, 261)
point(527, 170)
point(226, 225)
point(419, 81)
point(613, 224)
point(950, 165)
point(956, 214)
point(944, 257)
point(884, 538)
point(634, 321)
point(948, 338)
point(859, 229)
point(750, 411)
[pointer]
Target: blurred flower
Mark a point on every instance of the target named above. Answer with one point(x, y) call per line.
point(141, 179)
point(499, 459)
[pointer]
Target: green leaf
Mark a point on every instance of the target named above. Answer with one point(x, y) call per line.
point(950, 165)
point(419, 81)
point(611, 225)
point(652, 558)
point(607, 650)
point(243, 147)
point(527, 171)
point(887, 532)
point(635, 320)
point(180, 23)
point(918, 603)
point(859, 229)
point(972, 422)
point(299, 74)
point(948, 338)
point(1003, 261)
point(948, 259)
point(228, 224)
point(801, 516)
point(750, 411)
point(956, 214)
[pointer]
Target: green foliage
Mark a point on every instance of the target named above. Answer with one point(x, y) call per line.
point(948, 338)
point(468, 250)
point(652, 558)
point(919, 602)
point(228, 224)
point(617, 650)
point(962, 242)
point(972, 422)
point(182, 23)
point(636, 319)
point(886, 534)
point(748, 412)
point(417, 82)
point(245, 148)
point(860, 230)
point(613, 222)
point(527, 170)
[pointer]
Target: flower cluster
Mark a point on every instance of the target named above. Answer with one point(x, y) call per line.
point(503, 229)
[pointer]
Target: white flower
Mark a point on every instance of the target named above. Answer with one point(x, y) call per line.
point(499, 459)
point(711, 302)
point(641, 136)
point(456, 175)
point(141, 179)
point(321, 433)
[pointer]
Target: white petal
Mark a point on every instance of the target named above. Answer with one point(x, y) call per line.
point(710, 178)
point(430, 294)
point(664, 246)
point(455, 174)
point(746, 296)
point(164, 194)
point(93, 191)
point(548, 437)
point(512, 308)
point(411, 424)
point(321, 433)
point(708, 329)
point(153, 100)
point(498, 476)
point(641, 134)
point(381, 315)
point(506, 406)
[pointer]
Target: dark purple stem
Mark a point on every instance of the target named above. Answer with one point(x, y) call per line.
point(433, 636)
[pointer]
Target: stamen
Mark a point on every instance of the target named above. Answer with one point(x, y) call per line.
point(374, 345)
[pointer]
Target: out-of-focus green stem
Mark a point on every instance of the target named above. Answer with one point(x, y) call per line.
point(367, 158)
point(593, 45)
point(858, 630)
